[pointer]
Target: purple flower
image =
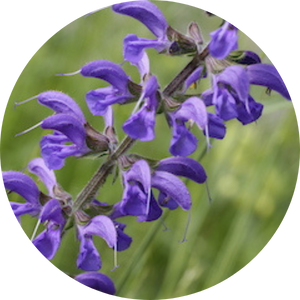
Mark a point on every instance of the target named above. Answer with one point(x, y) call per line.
point(147, 13)
point(48, 241)
point(179, 166)
point(141, 124)
point(23, 185)
point(100, 99)
point(123, 240)
point(224, 99)
point(183, 142)
point(223, 40)
point(230, 93)
point(89, 258)
point(72, 136)
point(244, 57)
point(138, 199)
point(137, 196)
point(56, 147)
point(230, 96)
point(38, 167)
point(61, 104)
point(267, 75)
point(97, 281)
point(133, 47)
point(71, 131)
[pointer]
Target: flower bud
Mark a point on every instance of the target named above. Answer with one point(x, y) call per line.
point(95, 140)
point(244, 57)
point(181, 44)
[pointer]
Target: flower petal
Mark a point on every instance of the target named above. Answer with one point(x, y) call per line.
point(145, 12)
point(20, 209)
point(183, 166)
point(237, 78)
point(225, 104)
point(154, 211)
point(69, 126)
point(99, 100)
point(48, 241)
point(223, 41)
point(195, 109)
point(140, 172)
point(267, 75)
point(246, 117)
point(61, 103)
point(173, 187)
point(97, 281)
point(23, 185)
point(38, 167)
point(52, 212)
point(165, 200)
point(134, 201)
point(183, 142)
point(134, 47)
point(108, 71)
point(88, 258)
point(104, 227)
point(54, 154)
point(141, 125)
point(216, 127)
point(123, 240)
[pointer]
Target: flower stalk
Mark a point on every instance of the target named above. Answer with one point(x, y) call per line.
point(90, 190)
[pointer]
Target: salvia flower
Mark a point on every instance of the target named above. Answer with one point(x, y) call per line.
point(89, 258)
point(149, 14)
point(72, 135)
point(179, 166)
point(231, 88)
point(61, 103)
point(97, 281)
point(223, 40)
point(183, 142)
point(100, 99)
point(50, 212)
point(141, 124)
point(55, 147)
point(48, 241)
point(138, 199)
point(23, 185)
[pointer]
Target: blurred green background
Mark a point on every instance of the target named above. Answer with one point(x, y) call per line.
point(252, 172)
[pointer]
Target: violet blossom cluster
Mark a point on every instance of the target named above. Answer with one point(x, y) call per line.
point(231, 73)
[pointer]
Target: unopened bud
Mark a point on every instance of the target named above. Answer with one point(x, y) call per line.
point(181, 44)
point(95, 140)
point(195, 32)
point(244, 57)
